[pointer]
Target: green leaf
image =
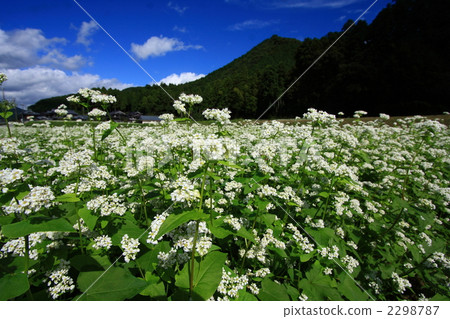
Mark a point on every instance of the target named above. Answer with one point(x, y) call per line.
point(318, 286)
point(155, 286)
point(350, 290)
point(86, 263)
point(175, 220)
point(207, 275)
point(324, 194)
point(13, 285)
point(232, 165)
point(112, 126)
point(114, 285)
point(89, 217)
point(36, 224)
point(246, 296)
point(271, 291)
point(129, 228)
point(68, 198)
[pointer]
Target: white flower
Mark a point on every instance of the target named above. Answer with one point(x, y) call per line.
point(9, 176)
point(222, 116)
point(58, 280)
point(3, 77)
point(402, 283)
point(129, 247)
point(191, 98)
point(179, 106)
point(102, 242)
point(38, 197)
point(96, 113)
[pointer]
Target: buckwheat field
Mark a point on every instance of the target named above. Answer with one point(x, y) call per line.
point(175, 210)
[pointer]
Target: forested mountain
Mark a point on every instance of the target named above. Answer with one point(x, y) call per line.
point(398, 65)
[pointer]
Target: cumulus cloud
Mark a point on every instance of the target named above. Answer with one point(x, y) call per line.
point(251, 24)
point(29, 47)
point(181, 78)
point(27, 86)
point(86, 31)
point(315, 4)
point(159, 46)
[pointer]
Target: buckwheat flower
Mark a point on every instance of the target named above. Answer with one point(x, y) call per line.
point(375, 286)
point(340, 232)
point(358, 114)
point(328, 271)
point(263, 272)
point(96, 113)
point(58, 280)
point(253, 288)
point(384, 116)
point(233, 222)
point(129, 247)
point(3, 77)
point(9, 176)
point(179, 106)
point(222, 116)
point(401, 283)
point(73, 98)
point(350, 263)
point(303, 297)
point(102, 242)
point(191, 98)
point(266, 190)
point(426, 238)
point(112, 204)
point(39, 197)
point(231, 284)
point(185, 191)
point(61, 110)
point(352, 244)
point(154, 228)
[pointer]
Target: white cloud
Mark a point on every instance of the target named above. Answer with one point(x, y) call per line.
point(159, 46)
point(251, 24)
point(181, 78)
point(179, 29)
point(29, 47)
point(176, 7)
point(315, 4)
point(27, 86)
point(87, 29)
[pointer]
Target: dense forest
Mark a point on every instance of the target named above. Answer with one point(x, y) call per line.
point(398, 64)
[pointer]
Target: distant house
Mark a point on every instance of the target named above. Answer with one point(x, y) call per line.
point(149, 118)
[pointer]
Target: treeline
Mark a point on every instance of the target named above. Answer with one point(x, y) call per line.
point(398, 65)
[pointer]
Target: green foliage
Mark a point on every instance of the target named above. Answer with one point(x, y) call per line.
point(115, 284)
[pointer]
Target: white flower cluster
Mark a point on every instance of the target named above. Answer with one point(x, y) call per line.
point(94, 96)
point(96, 113)
point(190, 98)
point(358, 114)
point(263, 272)
point(259, 250)
point(3, 77)
point(350, 262)
point(179, 106)
point(72, 162)
point(319, 117)
point(220, 115)
point(102, 242)
point(37, 198)
point(10, 175)
point(326, 251)
point(166, 118)
point(210, 148)
point(185, 191)
point(402, 283)
point(58, 280)
point(233, 222)
point(231, 284)
point(384, 116)
point(438, 258)
point(301, 240)
point(112, 204)
point(129, 247)
point(183, 240)
point(155, 226)
point(61, 110)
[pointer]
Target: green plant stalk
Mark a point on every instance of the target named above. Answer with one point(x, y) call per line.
point(194, 243)
point(81, 237)
point(93, 141)
point(7, 125)
point(144, 201)
point(27, 264)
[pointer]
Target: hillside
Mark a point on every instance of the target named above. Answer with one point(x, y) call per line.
point(396, 65)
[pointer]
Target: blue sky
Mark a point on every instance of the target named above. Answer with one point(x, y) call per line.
point(52, 47)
